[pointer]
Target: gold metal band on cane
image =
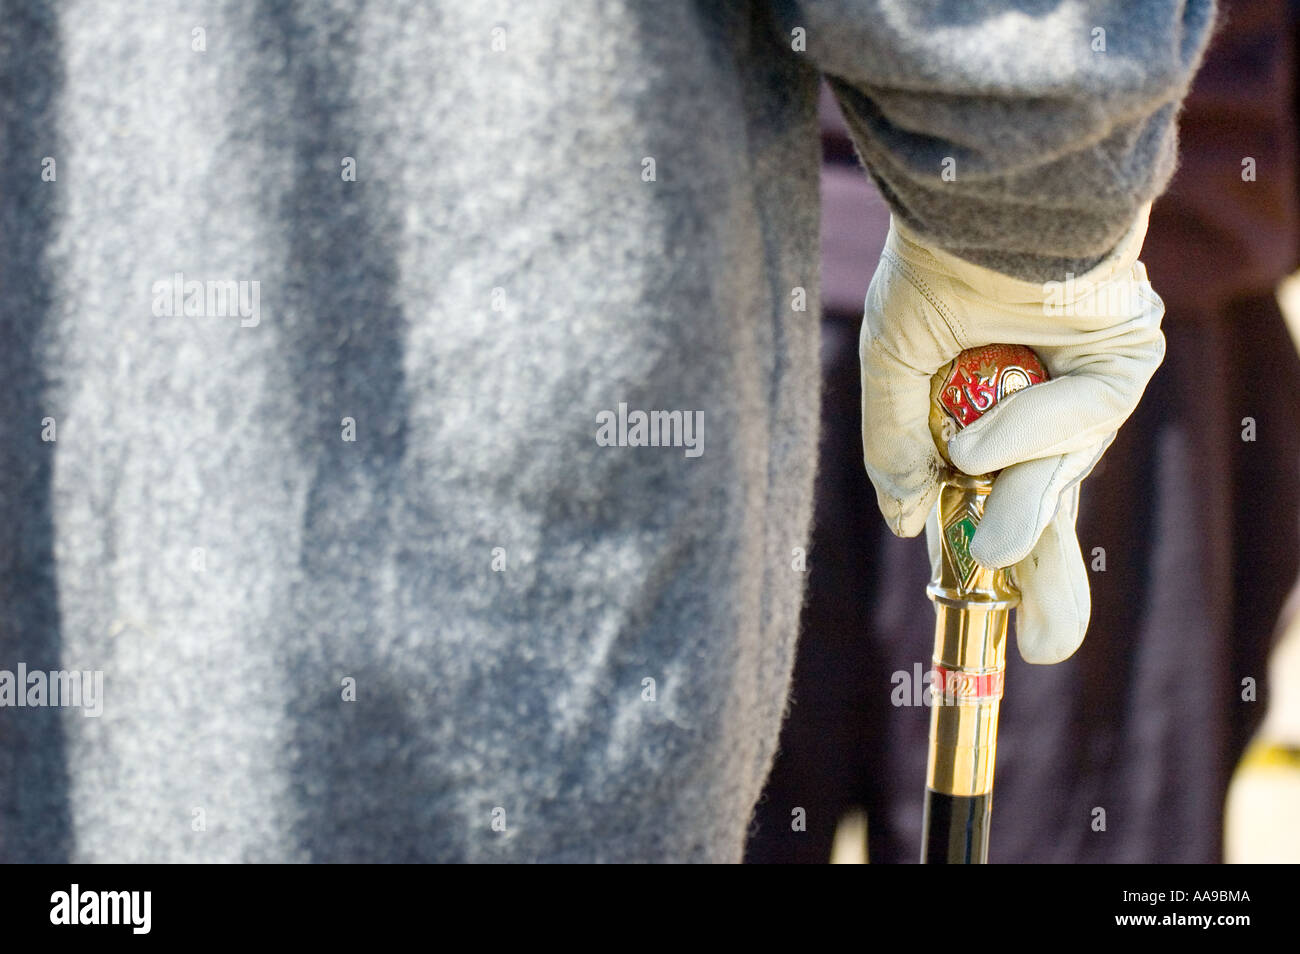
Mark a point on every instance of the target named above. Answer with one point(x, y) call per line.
point(972, 603)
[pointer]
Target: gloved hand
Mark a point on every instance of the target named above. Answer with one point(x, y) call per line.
point(1099, 337)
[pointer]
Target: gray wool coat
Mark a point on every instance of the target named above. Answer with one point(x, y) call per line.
point(331, 333)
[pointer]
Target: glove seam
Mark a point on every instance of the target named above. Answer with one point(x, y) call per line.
point(926, 292)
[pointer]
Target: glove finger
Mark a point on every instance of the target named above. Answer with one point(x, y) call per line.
point(899, 453)
point(1055, 603)
point(1061, 416)
point(1024, 500)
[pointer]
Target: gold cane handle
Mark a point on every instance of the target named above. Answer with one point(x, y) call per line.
point(961, 393)
point(972, 603)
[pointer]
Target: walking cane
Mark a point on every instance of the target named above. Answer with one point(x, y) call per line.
point(972, 604)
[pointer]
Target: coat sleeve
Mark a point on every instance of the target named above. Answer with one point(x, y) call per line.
point(1023, 135)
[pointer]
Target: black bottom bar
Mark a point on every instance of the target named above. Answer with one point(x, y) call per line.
point(956, 829)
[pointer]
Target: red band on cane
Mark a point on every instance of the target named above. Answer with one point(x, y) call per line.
point(965, 687)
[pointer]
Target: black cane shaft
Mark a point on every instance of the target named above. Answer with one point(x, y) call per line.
point(956, 828)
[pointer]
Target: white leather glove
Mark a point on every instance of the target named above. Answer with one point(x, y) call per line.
point(1099, 337)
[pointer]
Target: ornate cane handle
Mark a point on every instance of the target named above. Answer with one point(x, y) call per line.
point(960, 393)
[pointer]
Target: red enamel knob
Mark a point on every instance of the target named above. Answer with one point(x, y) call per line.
point(973, 382)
